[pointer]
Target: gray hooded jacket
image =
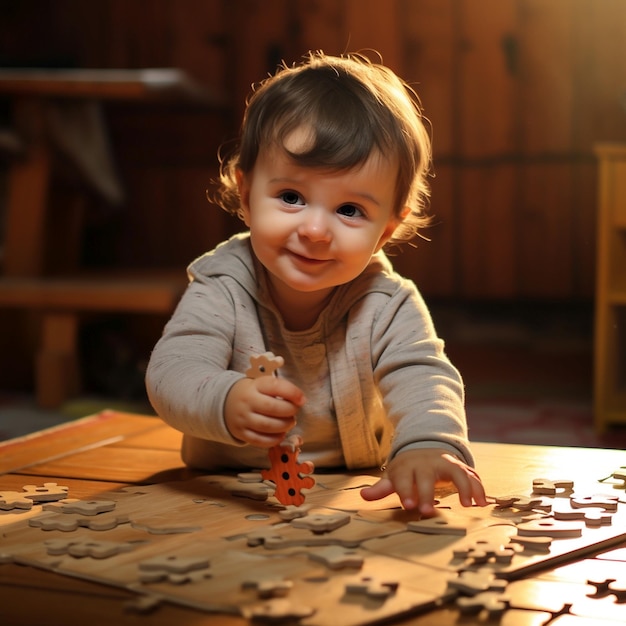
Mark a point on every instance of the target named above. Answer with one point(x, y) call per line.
point(385, 383)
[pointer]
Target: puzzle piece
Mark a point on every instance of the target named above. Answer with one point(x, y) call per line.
point(277, 610)
point(483, 551)
point(620, 474)
point(10, 500)
point(602, 501)
point(287, 473)
point(80, 507)
point(31, 494)
point(547, 527)
point(49, 492)
point(337, 557)
point(533, 544)
point(322, 523)
point(521, 503)
point(475, 582)
point(265, 364)
point(592, 516)
point(372, 588)
point(291, 512)
point(70, 522)
point(546, 487)
point(80, 549)
point(269, 587)
point(438, 525)
point(494, 602)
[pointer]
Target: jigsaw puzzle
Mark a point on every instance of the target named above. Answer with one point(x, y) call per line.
point(315, 565)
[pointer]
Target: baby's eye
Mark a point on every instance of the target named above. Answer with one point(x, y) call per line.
point(349, 210)
point(291, 197)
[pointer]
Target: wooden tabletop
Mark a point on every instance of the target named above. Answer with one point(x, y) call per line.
point(112, 450)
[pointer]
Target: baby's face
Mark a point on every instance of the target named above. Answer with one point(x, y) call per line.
point(314, 229)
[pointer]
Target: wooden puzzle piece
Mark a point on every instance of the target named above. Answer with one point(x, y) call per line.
point(48, 492)
point(289, 476)
point(372, 587)
point(521, 503)
point(547, 527)
point(483, 551)
point(286, 472)
point(592, 516)
point(494, 602)
point(474, 582)
point(291, 512)
point(143, 604)
point(277, 610)
point(546, 487)
point(533, 544)
point(31, 494)
point(620, 474)
point(321, 522)
point(68, 522)
point(269, 587)
point(264, 364)
point(602, 501)
point(80, 549)
point(438, 525)
point(81, 507)
point(10, 500)
point(337, 557)
point(253, 490)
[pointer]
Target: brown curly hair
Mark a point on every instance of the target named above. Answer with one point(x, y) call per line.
point(353, 106)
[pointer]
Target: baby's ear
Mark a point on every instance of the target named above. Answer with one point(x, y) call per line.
point(392, 224)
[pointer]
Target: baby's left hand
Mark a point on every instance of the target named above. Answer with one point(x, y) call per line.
point(414, 474)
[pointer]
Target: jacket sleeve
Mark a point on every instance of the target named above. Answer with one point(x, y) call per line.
point(422, 391)
point(188, 375)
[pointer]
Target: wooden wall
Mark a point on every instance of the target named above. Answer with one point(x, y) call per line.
point(518, 92)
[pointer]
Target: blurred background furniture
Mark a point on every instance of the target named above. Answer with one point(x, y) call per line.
point(57, 117)
point(610, 319)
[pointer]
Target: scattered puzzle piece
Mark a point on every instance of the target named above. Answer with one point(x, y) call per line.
point(291, 512)
point(68, 522)
point(547, 527)
point(533, 544)
point(93, 549)
point(269, 587)
point(494, 602)
point(81, 507)
point(521, 503)
point(546, 487)
point(48, 492)
point(337, 557)
point(484, 551)
point(438, 525)
point(322, 523)
point(277, 610)
point(592, 516)
point(474, 582)
point(372, 588)
point(602, 501)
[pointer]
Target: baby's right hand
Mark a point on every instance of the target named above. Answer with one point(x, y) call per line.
point(260, 411)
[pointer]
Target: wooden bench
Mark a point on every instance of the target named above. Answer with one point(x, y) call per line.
point(61, 301)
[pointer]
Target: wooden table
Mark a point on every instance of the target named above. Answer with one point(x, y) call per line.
point(111, 450)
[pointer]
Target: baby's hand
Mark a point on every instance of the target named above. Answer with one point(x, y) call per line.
point(260, 411)
point(414, 474)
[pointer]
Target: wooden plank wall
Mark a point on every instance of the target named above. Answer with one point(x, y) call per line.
point(517, 91)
